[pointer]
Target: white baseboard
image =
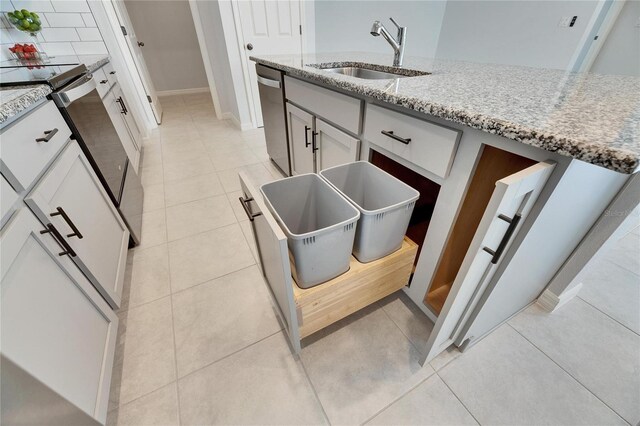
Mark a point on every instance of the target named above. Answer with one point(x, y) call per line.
point(242, 126)
point(550, 302)
point(182, 91)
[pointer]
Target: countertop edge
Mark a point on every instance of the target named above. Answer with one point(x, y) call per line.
point(16, 106)
point(616, 159)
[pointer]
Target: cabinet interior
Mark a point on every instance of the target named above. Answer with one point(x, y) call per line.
point(493, 165)
point(429, 190)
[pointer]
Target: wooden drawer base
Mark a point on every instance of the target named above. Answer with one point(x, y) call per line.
point(364, 284)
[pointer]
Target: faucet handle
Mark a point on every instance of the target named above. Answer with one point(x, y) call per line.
point(395, 23)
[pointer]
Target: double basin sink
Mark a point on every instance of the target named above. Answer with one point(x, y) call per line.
point(368, 71)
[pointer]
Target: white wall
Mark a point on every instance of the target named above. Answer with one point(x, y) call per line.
point(620, 53)
point(513, 32)
point(171, 49)
point(343, 26)
point(68, 28)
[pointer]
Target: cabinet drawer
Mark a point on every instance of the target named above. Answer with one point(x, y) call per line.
point(429, 145)
point(23, 157)
point(102, 82)
point(8, 198)
point(340, 109)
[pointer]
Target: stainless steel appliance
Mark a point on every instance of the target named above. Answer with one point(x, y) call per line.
point(274, 115)
point(80, 104)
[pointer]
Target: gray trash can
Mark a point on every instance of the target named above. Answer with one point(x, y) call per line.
point(385, 204)
point(320, 225)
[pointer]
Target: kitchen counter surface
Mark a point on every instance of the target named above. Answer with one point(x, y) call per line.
point(590, 117)
point(16, 99)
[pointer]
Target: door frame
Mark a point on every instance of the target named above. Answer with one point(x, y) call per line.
point(307, 45)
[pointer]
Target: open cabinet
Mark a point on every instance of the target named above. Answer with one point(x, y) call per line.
point(306, 311)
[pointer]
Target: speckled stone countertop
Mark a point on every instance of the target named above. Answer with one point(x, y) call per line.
point(594, 118)
point(15, 99)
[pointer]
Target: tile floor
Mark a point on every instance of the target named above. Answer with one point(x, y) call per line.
point(199, 342)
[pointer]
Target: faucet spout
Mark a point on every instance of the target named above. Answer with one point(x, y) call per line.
point(378, 29)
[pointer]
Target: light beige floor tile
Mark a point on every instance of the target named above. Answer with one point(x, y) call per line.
point(273, 169)
point(360, 365)
point(185, 169)
point(154, 229)
point(151, 175)
point(144, 359)
point(247, 230)
point(504, 379)
point(153, 197)
point(445, 357)
point(151, 154)
point(237, 207)
point(431, 403)
point(409, 318)
point(261, 153)
point(198, 216)
point(599, 352)
point(181, 156)
point(203, 257)
point(222, 316)
point(149, 275)
point(160, 407)
point(262, 384)
point(192, 189)
point(258, 174)
point(626, 253)
point(233, 159)
point(615, 291)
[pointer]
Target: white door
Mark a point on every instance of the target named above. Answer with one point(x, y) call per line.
point(272, 247)
point(335, 147)
point(71, 197)
point(300, 140)
point(510, 204)
point(269, 27)
point(54, 324)
point(134, 47)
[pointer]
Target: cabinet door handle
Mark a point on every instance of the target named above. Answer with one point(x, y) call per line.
point(314, 141)
point(245, 206)
point(124, 109)
point(112, 72)
point(396, 137)
point(60, 212)
point(104, 81)
point(513, 224)
point(49, 134)
point(306, 136)
point(60, 240)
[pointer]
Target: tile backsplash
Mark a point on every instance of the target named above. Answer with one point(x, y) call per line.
point(68, 27)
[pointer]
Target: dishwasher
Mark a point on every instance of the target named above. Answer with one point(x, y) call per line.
point(274, 116)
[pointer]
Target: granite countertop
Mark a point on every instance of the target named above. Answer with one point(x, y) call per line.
point(590, 117)
point(15, 99)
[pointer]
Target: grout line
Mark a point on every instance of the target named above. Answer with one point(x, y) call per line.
point(377, 413)
point(606, 314)
point(313, 388)
point(569, 374)
point(401, 331)
point(459, 400)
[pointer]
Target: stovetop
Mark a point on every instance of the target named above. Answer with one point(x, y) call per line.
point(54, 74)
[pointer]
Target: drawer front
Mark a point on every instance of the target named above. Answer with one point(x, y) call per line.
point(24, 158)
point(337, 108)
point(8, 198)
point(110, 73)
point(428, 145)
point(103, 83)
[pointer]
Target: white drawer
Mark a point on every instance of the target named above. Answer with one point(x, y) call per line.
point(102, 82)
point(23, 157)
point(110, 73)
point(335, 107)
point(428, 145)
point(8, 198)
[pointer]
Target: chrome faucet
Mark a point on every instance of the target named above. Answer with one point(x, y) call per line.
point(398, 45)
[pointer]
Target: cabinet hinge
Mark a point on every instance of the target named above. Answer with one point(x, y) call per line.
point(300, 26)
point(149, 99)
point(124, 30)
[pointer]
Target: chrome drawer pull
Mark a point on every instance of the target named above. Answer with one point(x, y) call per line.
point(56, 236)
point(513, 224)
point(396, 137)
point(245, 206)
point(60, 212)
point(49, 134)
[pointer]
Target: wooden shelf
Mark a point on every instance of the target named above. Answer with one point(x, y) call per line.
point(437, 297)
point(362, 285)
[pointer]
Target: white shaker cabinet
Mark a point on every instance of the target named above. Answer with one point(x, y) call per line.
point(334, 147)
point(300, 127)
point(122, 120)
point(71, 197)
point(54, 325)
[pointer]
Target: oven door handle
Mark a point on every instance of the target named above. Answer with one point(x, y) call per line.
point(66, 97)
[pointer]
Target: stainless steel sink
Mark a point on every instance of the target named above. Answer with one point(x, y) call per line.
point(371, 74)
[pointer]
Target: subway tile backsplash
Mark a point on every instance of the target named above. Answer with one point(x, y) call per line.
point(68, 27)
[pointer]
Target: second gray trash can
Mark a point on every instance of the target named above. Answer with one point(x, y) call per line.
point(385, 204)
point(320, 225)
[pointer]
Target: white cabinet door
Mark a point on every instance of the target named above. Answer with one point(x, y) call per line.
point(272, 247)
point(116, 107)
point(510, 203)
point(334, 147)
point(72, 198)
point(300, 138)
point(54, 324)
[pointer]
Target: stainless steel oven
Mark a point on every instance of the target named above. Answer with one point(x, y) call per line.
point(86, 115)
